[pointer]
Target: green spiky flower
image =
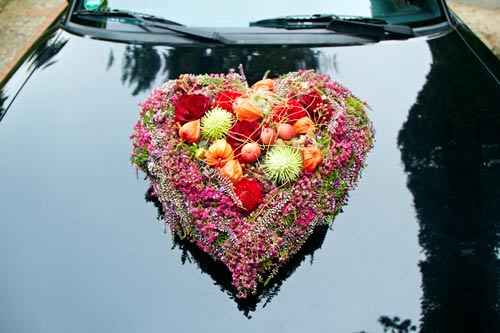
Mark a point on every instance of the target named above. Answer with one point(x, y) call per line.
point(282, 164)
point(216, 123)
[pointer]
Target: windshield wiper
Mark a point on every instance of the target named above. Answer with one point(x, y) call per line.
point(122, 13)
point(379, 30)
point(144, 21)
point(353, 25)
point(295, 22)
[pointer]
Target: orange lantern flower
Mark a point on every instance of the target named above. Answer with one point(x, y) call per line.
point(190, 131)
point(304, 125)
point(219, 153)
point(311, 158)
point(232, 170)
point(265, 84)
point(246, 109)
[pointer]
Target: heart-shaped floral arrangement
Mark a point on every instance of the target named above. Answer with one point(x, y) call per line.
point(247, 173)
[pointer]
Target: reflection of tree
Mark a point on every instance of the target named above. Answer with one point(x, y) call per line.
point(450, 147)
point(42, 56)
point(3, 107)
point(143, 64)
point(395, 325)
point(388, 8)
point(222, 277)
point(255, 61)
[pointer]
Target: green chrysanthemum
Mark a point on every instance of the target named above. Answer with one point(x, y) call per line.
point(282, 164)
point(216, 123)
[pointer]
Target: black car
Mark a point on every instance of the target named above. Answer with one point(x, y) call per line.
point(416, 248)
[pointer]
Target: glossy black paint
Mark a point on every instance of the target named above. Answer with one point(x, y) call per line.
point(81, 249)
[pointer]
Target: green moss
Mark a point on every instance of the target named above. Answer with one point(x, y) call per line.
point(357, 108)
point(266, 264)
point(330, 180)
point(354, 103)
point(324, 142)
point(290, 219)
point(147, 119)
point(183, 233)
point(141, 158)
point(341, 191)
point(221, 239)
point(207, 80)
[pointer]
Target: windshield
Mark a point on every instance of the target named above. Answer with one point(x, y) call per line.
point(224, 13)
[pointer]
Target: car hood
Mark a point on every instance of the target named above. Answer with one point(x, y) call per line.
point(82, 250)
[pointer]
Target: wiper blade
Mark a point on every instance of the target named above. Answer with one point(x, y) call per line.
point(310, 21)
point(354, 25)
point(124, 13)
point(369, 29)
point(145, 21)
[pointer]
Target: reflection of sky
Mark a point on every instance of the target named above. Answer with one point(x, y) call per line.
point(81, 251)
point(205, 13)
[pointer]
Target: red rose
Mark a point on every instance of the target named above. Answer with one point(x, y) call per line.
point(243, 132)
point(250, 193)
point(225, 99)
point(191, 107)
point(317, 109)
point(288, 112)
point(310, 101)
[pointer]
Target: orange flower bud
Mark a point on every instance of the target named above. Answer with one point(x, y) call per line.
point(219, 153)
point(190, 131)
point(232, 170)
point(311, 158)
point(246, 109)
point(265, 84)
point(304, 125)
